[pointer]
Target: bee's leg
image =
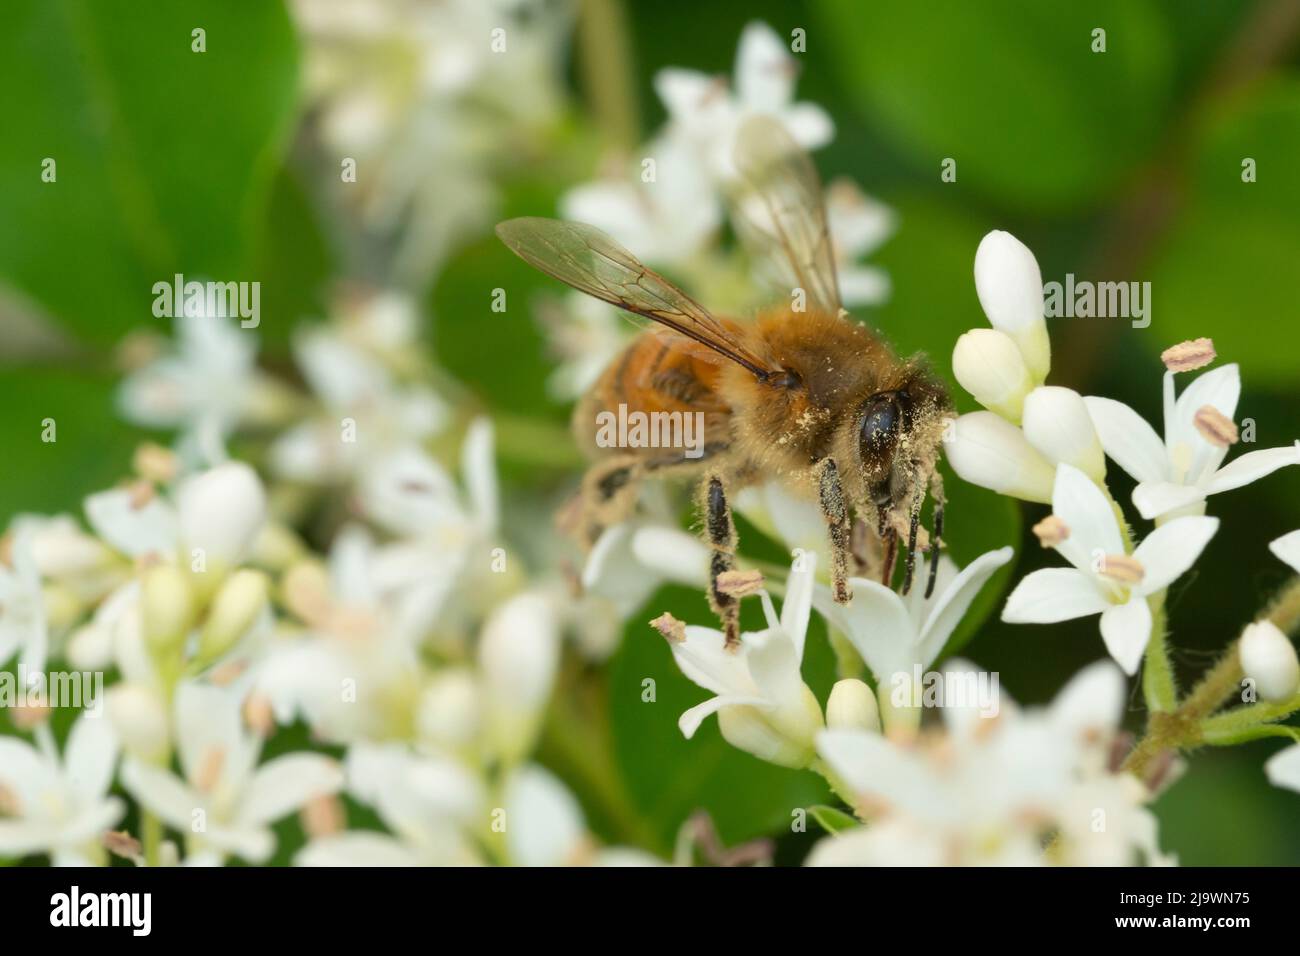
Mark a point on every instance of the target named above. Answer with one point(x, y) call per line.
point(889, 540)
point(936, 539)
point(721, 533)
point(609, 491)
point(836, 513)
point(911, 544)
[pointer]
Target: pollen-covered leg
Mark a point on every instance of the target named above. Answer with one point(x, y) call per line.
point(609, 492)
point(936, 539)
point(721, 532)
point(836, 513)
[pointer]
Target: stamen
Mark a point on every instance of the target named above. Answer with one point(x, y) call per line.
point(1188, 356)
point(673, 630)
point(120, 843)
point(1122, 568)
point(1051, 531)
point(1215, 427)
point(740, 584)
point(209, 773)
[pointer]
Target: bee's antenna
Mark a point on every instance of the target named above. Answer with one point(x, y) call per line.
point(935, 540)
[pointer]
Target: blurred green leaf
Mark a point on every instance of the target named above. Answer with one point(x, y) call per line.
point(832, 820)
point(92, 449)
point(163, 155)
point(1226, 269)
point(1010, 89)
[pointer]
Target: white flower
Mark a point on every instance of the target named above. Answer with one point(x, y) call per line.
point(22, 606)
point(1268, 657)
point(432, 805)
point(366, 414)
point(985, 791)
point(1175, 475)
point(1104, 579)
point(896, 634)
point(208, 386)
point(989, 451)
point(763, 705)
point(1010, 289)
point(223, 800)
point(59, 806)
point(664, 220)
point(709, 115)
point(545, 827)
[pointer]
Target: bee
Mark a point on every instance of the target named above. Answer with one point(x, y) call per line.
point(802, 393)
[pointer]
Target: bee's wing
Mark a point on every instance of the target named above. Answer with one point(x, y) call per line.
point(780, 215)
point(587, 259)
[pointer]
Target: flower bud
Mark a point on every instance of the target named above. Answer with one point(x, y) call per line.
point(221, 511)
point(1010, 289)
point(140, 720)
point(1268, 657)
point(518, 654)
point(1057, 423)
point(988, 365)
point(238, 604)
point(991, 452)
point(448, 713)
point(852, 706)
point(167, 608)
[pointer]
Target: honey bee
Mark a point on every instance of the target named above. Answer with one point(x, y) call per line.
point(802, 394)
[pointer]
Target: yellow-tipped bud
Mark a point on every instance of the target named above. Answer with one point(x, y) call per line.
point(167, 608)
point(237, 606)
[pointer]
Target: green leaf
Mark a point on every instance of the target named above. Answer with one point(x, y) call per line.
point(832, 820)
point(1225, 270)
point(1009, 89)
point(162, 155)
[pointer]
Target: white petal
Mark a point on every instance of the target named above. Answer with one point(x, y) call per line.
point(1128, 439)
point(797, 606)
point(1252, 466)
point(1283, 768)
point(1078, 502)
point(478, 465)
point(989, 451)
point(1010, 288)
point(871, 764)
point(1287, 548)
point(774, 666)
point(1054, 594)
point(876, 623)
point(1091, 703)
point(704, 658)
point(951, 605)
point(1057, 423)
point(150, 528)
point(162, 793)
point(863, 285)
point(672, 553)
point(1171, 549)
point(808, 124)
point(689, 722)
point(221, 511)
point(209, 720)
point(764, 69)
point(90, 755)
point(544, 824)
point(1126, 628)
point(358, 848)
point(284, 784)
point(1219, 388)
point(1153, 499)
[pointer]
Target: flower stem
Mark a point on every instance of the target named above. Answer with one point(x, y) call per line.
point(151, 833)
point(1158, 685)
point(606, 70)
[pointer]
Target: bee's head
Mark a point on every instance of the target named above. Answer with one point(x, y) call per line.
point(898, 435)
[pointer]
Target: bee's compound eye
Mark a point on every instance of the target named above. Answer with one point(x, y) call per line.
point(880, 421)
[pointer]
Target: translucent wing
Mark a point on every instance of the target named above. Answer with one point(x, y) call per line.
point(780, 215)
point(587, 259)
